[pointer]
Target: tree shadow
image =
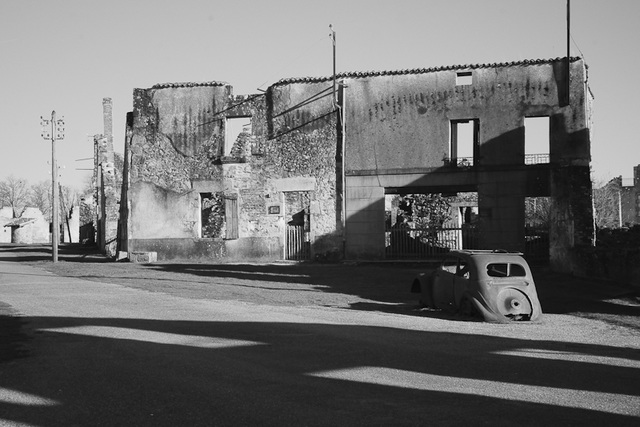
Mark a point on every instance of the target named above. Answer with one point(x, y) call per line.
point(383, 287)
point(69, 252)
point(115, 371)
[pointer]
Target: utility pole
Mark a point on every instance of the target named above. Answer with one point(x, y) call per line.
point(54, 130)
point(333, 40)
point(338, 101)
point(568, 51)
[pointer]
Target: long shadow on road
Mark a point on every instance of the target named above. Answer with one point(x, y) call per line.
point(111, 371)
point(369, 287)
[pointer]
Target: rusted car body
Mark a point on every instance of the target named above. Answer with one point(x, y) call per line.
point(495, 285)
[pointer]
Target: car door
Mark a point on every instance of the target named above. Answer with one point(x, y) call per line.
point(461, 280)
point(443, 280)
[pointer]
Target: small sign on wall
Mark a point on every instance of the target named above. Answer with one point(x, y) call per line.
point(274, 209)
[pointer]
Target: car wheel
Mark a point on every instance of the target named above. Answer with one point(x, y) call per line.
point(514, 304)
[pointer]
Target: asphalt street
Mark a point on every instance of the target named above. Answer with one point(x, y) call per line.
point(102, 354)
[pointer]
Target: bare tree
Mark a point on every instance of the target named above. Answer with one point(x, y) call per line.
point(68, 199)
point(537, 211)
point(606, 200)
point(88, 201)
point(14, 192)
point(40, 197)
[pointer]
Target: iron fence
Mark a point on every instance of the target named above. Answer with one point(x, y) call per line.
point(535, 159)
point(298, 247)
point(536, 244)
point(460, 162)
point(420, 243)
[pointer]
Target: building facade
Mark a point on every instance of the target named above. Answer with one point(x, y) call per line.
point(305, 167)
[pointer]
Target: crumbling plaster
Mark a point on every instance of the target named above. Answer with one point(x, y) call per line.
point(175, 152)
point(396, 130)
point(398, 136)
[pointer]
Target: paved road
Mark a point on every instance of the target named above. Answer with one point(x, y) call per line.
point(104, 354)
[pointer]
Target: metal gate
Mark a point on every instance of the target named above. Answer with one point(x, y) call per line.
point(536, 245)
point(297, 245)
point(420, 243)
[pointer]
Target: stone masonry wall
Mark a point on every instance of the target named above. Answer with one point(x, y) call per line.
point(177, 150)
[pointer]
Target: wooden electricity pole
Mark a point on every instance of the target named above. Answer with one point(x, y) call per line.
point(568, 50)
point(54, 133)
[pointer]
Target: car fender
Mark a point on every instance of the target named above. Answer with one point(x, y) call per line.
point(480, 304)
point(490, 313)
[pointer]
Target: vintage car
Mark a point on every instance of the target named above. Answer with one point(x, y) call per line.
point(495, 285)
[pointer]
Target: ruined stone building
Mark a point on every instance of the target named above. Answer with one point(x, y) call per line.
point(30, 226)
point(303, 169)
point(106, 192)
point(630, 199)
point(619, 201)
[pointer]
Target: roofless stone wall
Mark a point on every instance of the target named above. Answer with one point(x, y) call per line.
point(178, 156)
point(323, 157)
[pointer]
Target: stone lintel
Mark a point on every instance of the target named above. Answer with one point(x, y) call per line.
point(295, 184)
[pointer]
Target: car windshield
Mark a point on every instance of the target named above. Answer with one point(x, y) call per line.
point(505, 269)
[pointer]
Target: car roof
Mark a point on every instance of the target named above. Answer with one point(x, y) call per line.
point(489, 255)
point(486, 252)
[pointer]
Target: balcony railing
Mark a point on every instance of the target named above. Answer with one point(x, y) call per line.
point(465, 162)
point(536, 159)
point(459, 162)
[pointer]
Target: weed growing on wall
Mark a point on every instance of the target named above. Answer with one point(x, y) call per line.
point(212, 215)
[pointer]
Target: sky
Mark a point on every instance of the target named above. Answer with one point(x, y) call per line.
point(67, 55)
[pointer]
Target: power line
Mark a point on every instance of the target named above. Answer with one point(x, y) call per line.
point(577, 47)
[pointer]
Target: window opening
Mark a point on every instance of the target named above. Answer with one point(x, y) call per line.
point(235, 127)
point(450, 265)
point(506, 270)
point(464, 78)
point(516, 270)
point(536, 140)
point(211, 215)
point(463, 269)
point(464, 140)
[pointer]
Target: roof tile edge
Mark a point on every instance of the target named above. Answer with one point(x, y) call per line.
point(421, 70)
point(186, 84)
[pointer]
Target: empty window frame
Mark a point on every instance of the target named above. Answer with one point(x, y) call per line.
point(506, 270)
point(536, 140)
point(234, 127)
point(464, 142)
point(450, 265)
point(464, 78)
point(211, 220)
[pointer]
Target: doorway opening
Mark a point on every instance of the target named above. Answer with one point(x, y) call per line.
point(298, 226)
point(537, 215)
point(423, 225)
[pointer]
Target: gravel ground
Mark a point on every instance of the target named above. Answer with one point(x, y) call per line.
point(567, 369)
point(361, 286)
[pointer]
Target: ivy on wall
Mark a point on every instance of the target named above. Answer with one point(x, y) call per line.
point(212, 214)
